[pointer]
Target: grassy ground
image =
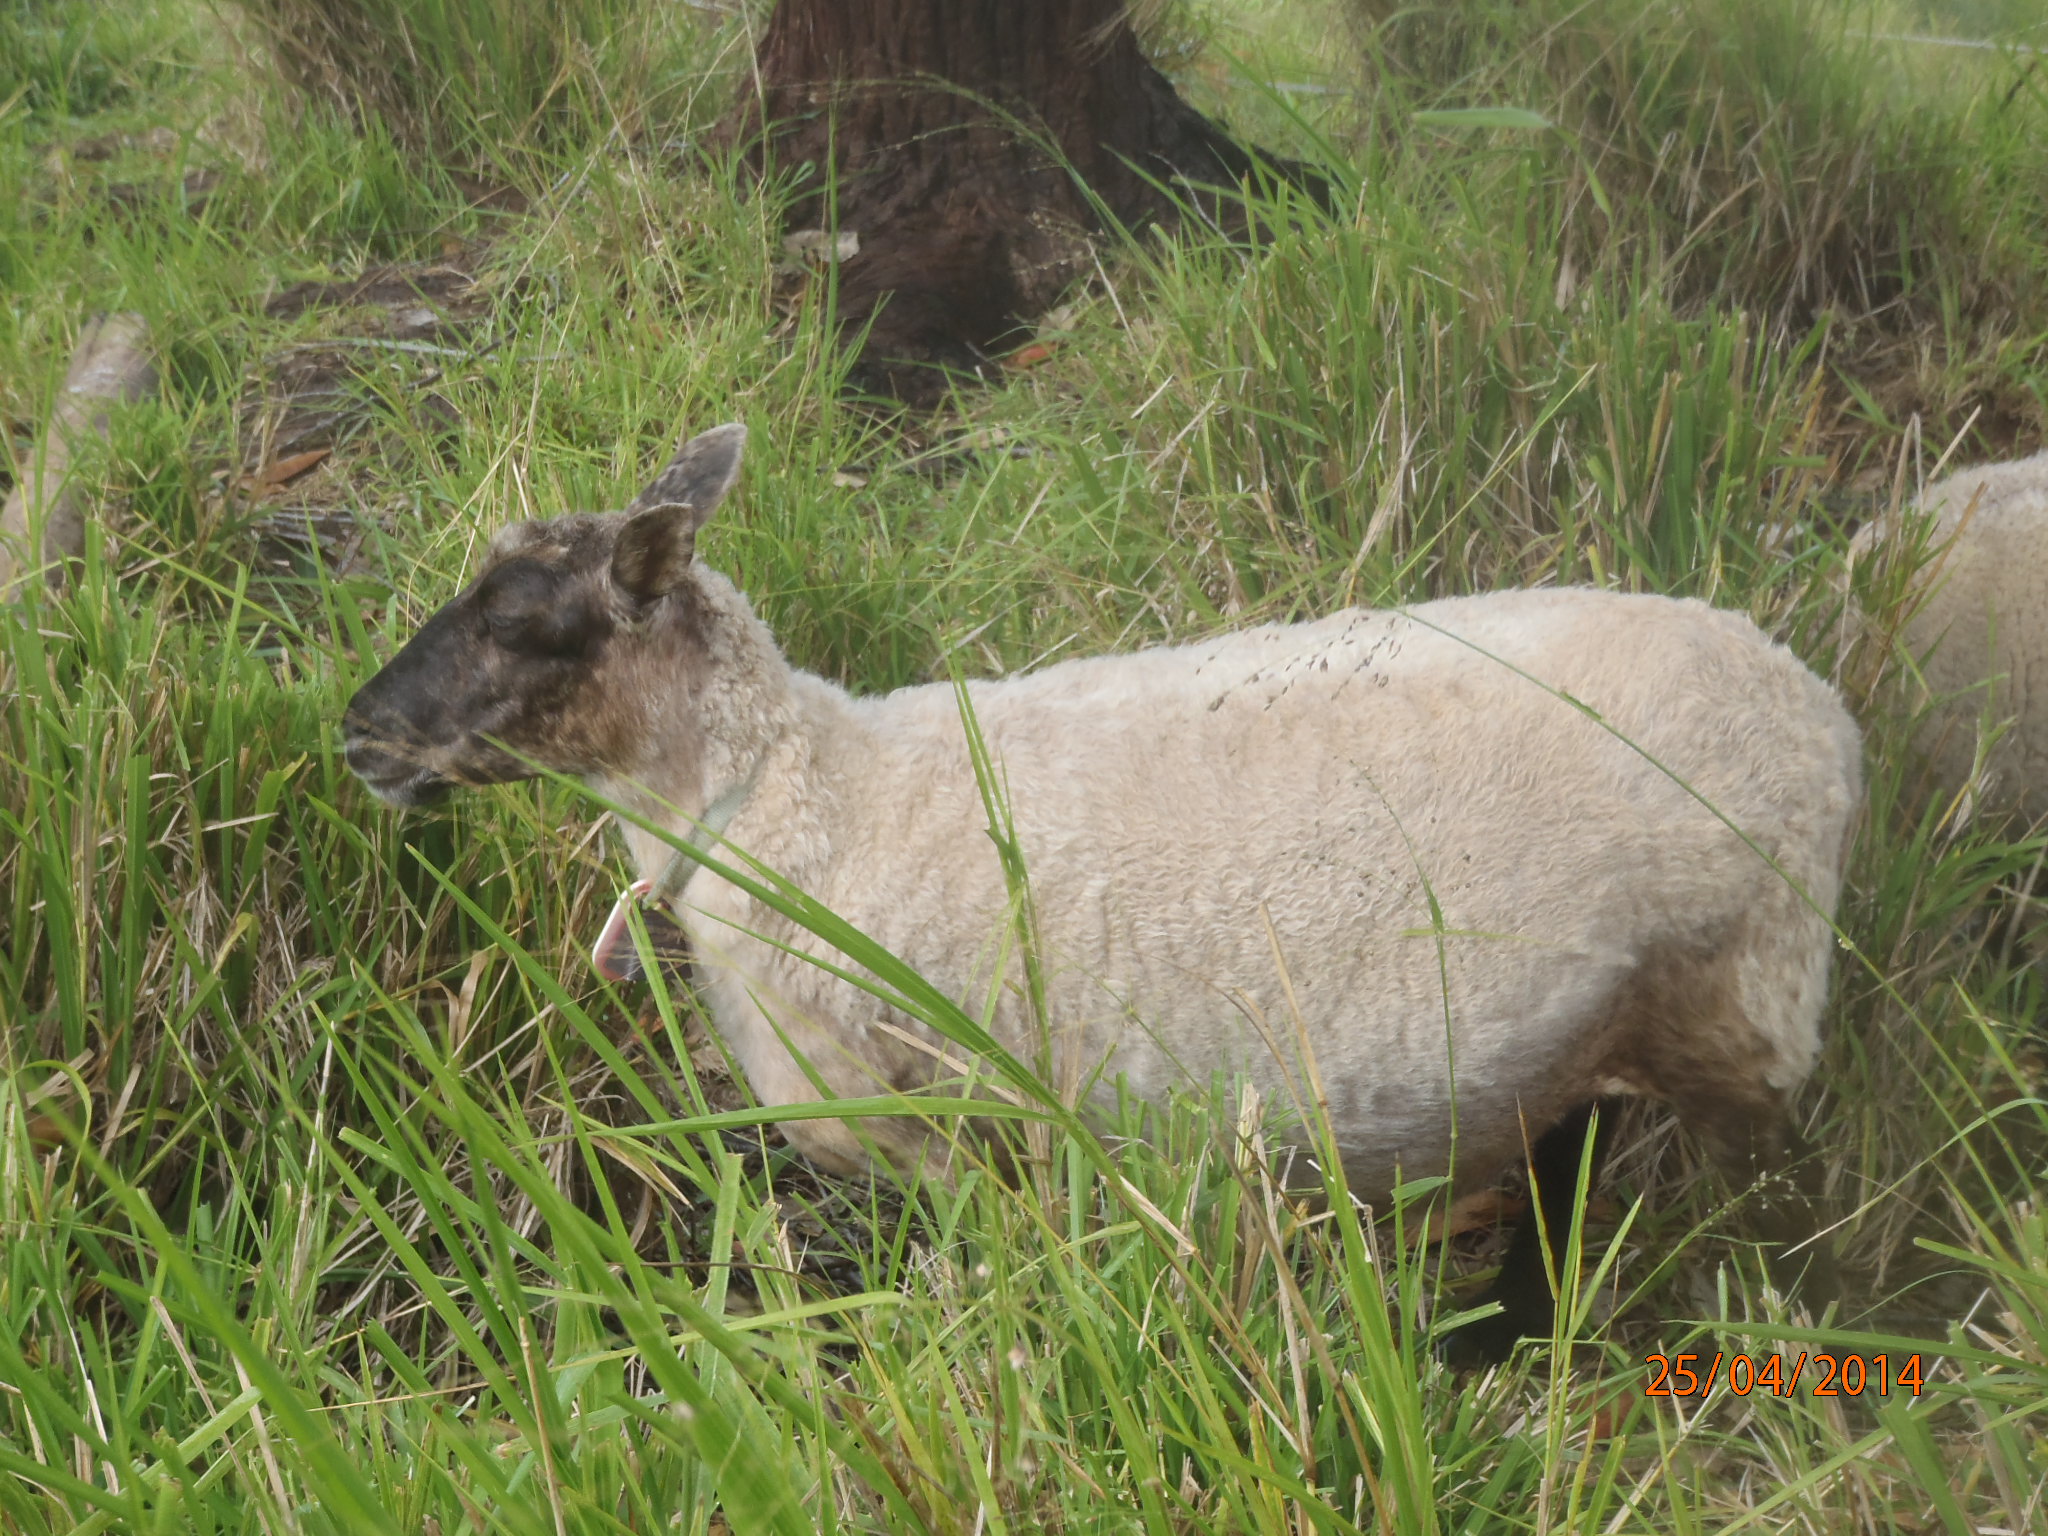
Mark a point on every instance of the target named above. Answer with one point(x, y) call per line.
point(336, 1194)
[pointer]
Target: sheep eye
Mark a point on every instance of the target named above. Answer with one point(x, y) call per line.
point(522, 609)
point(513, 630)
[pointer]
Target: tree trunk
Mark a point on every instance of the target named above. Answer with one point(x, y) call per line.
point(954, 138)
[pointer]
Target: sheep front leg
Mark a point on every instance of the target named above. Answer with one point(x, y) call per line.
point(1759, 1149)
point(1527, 1284)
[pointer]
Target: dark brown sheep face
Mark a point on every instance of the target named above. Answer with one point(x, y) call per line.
point(509, 678)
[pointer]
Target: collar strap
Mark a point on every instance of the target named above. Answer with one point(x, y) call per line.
point(710, 827)
point(613, 953)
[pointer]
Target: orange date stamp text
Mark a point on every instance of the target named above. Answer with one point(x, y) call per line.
point(1826, 1374)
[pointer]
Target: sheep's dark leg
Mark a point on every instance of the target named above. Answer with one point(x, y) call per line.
point(1526, 1287)
point(1761, 1151)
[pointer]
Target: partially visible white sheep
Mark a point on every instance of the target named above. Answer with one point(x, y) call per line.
point(1507, 852)
point(1981, 632)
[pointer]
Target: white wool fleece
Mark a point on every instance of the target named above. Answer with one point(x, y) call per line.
point(1382, 841)
point(1981, 631)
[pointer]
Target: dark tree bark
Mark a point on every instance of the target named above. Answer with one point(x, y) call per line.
point(948, 135)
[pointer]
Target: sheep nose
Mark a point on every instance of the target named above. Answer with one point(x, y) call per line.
point(356, 749)
point(355, 732)
point(367, 743)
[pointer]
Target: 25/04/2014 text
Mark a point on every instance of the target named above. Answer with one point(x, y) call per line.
point(1695, 1375)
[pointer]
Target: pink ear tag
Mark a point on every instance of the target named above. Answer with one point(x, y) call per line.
point(613, 953)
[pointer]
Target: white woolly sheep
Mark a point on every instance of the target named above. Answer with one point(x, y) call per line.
point(1981, 630)
point(1557, 844)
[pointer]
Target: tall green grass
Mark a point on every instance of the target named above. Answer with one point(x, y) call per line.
point(336, 1193)
point(472, 79)
point(59, 60)
point(1784, 159)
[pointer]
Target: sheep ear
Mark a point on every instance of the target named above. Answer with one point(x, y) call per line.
point(660, 537)
point(700, 474)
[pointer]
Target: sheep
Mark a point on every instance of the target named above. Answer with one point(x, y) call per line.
point(1537, 846)
point(1980, 633)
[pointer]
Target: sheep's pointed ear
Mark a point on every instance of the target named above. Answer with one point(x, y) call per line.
point(660, 537)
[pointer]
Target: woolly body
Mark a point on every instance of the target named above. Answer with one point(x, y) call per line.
point(1981, 631)
point(1235, 847)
